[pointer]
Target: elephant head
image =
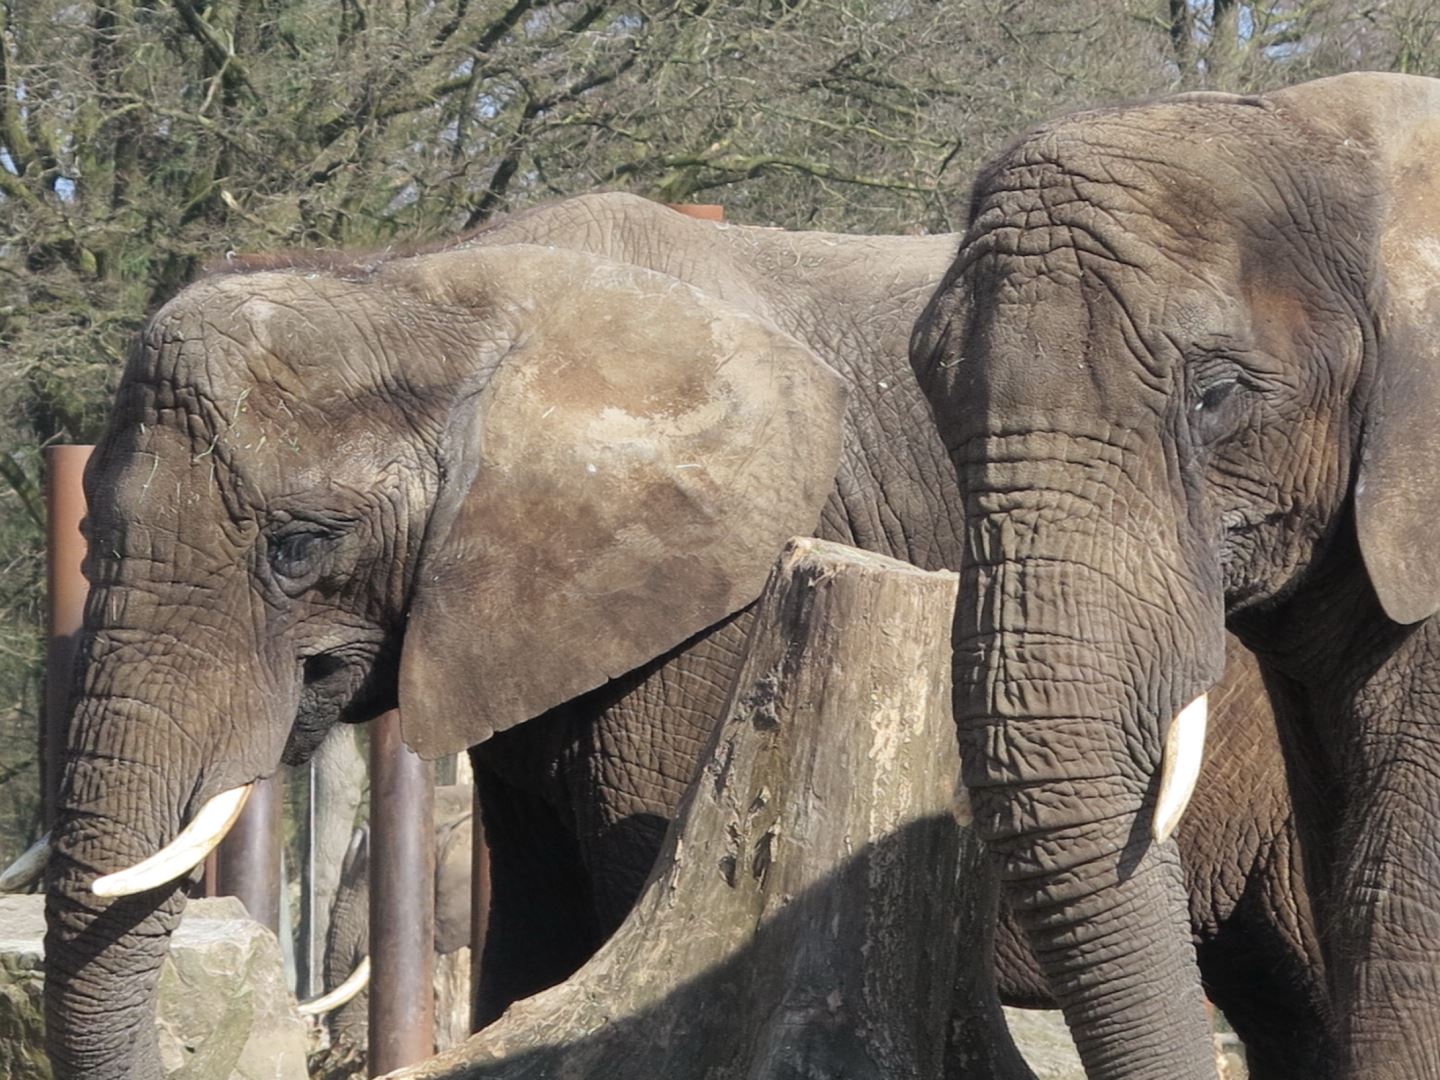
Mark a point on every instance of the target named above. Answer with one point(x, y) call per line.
point(1187, 363)
point(474, 482)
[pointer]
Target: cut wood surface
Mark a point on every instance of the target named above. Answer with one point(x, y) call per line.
point(816, 910)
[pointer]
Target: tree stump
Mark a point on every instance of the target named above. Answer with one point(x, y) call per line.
point(816, 907)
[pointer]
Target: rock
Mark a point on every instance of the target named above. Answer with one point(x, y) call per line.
point(1045, 1043)
point(224, 1009)
point(22, 1012)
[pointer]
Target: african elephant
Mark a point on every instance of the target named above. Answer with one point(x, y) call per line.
point(347, 942)
point(1186, 365)
point(538, 473)
point(541, 471)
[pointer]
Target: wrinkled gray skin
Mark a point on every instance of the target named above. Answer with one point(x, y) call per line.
point(347, 940)
point(1186, 366)
point(338, 782)
point(481, 483)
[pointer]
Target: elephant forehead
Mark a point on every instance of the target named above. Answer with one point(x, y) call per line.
point(1143, 186)
point(143, 482)
point(307, 334)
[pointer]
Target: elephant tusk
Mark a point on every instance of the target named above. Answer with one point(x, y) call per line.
point(358, 980)
point(28, 868)
point(182, 854)
point(1180, 767)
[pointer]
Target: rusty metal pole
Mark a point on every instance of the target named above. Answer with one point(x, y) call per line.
point(703, 211)
point(402, 901)
point(248, 859)
point(65, 507)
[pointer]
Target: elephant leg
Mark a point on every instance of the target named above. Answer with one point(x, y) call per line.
point(1265, 966)
point(576, 802)
point(634, 756)
point(541, 925)
point(1261, 961)
point(1251, 976)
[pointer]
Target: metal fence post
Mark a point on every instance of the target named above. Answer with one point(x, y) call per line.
point(67, 589)
point(402, 901)
point(702, 211)
point(248, 859)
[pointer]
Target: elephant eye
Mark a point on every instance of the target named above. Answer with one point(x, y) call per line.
point(1214, 396)
point(1216, 410)
point(293, 554)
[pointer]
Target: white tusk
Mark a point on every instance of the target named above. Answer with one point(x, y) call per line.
point(357, 982)
point(28, 868)
point(1180, 768)
point(182, 854)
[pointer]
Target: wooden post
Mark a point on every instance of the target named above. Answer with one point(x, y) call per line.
point(816, 903)
point(67, 589)
point(402, 901)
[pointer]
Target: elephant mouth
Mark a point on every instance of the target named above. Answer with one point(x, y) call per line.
point(350, 686)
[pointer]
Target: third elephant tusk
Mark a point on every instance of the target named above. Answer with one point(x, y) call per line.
point(1180, 767)
point(341, 994)
point(27, 869)
point(182, 854)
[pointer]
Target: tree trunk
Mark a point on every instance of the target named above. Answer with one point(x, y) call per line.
point(816, 906)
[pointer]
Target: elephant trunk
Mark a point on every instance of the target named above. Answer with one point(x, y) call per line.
point(103, 956)
point(1073, 655)
point(135, 773)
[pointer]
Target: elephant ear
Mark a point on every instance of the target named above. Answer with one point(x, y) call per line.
point(1395, 121)
point(624, 480)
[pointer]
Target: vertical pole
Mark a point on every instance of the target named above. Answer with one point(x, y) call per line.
point(702, 211)
point(479, 906)
point(65, 507)
point(309, 939)
point(249, 857)
point(402, 901)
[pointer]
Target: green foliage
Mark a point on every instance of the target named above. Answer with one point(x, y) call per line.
point(142, 139)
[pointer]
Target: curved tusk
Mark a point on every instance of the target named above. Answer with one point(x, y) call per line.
point(341, 994)
point(182, 854)
point(28, 868)
point(1180, 767)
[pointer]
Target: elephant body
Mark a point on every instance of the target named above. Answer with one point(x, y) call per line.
point(542, 471)
point(576, 802)
point(1186, 366)
point(524, 486)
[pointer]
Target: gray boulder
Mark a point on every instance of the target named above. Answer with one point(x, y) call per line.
point(224, 1009)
